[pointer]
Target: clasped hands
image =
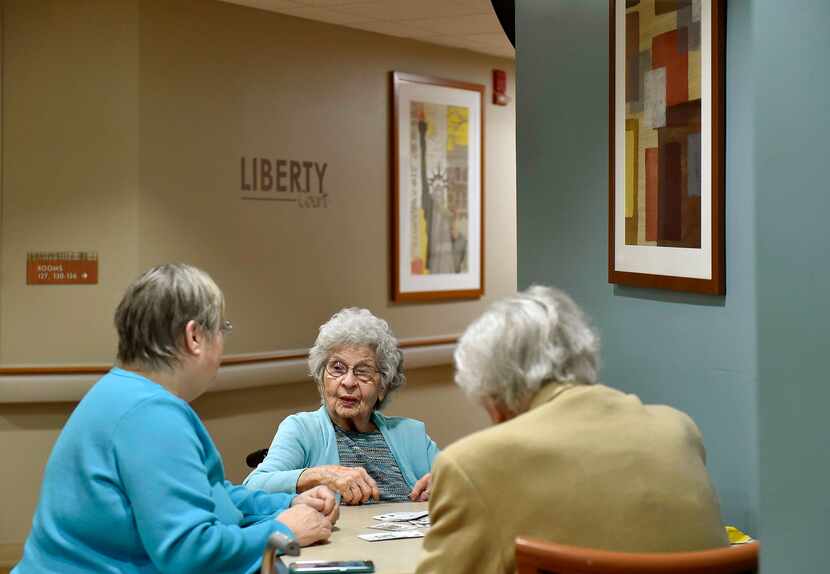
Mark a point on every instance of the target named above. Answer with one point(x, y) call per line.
point(312, 515)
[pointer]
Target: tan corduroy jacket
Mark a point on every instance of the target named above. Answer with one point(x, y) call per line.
point(588, 466)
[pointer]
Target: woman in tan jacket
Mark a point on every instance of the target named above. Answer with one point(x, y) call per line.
point(568, 460)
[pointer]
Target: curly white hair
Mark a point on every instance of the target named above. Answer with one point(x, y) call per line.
point(354, 327)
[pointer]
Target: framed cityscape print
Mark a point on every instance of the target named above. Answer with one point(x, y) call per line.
point(666, 144)
point(437, 188)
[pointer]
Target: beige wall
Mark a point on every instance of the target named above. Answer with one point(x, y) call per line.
point(70, 172)
point(123, 123)
point(243, 82)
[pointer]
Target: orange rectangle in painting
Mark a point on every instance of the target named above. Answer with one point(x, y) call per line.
point(62, 268)
point(651, 193)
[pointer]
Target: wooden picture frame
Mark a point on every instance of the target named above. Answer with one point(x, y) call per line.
point(666, 144)
point(437, 207)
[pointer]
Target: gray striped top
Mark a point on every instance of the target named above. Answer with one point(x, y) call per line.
point(369, 450)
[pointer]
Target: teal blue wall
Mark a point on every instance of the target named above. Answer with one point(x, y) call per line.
point(697, 353)
point(791, 83)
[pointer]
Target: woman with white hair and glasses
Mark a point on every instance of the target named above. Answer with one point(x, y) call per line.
point(569, 460)
point(134, 483)
point(347, 444)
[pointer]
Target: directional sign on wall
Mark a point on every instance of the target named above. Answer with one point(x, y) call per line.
point(62, 268)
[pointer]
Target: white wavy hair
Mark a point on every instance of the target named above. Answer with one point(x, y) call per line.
point(354, 327)
point(524, 342)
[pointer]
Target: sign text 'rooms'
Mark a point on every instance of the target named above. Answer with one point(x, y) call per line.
point(282, 175)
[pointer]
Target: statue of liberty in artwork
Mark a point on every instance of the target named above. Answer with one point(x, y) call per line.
point(440, 176)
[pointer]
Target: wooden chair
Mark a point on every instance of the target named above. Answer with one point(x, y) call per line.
point(540, 557)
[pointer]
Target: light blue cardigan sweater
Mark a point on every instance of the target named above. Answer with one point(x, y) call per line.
point(307, 439)
point(135, 485)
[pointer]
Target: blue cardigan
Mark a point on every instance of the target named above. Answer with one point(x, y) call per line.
point(135, 485)
point(307, 439)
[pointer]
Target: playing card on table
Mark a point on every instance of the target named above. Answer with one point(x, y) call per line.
point(394, 526)
point(401, 516)
point(378, 536)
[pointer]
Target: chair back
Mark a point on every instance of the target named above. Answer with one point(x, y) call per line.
point(540, 557)
point(253, 459)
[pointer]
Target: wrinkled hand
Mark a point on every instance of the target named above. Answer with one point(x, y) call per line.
point(308, 525)
point(421, 490)
point(354, 484)
point(321, 499)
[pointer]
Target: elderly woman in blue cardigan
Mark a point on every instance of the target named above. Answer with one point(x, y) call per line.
point(134, 483)
point(347, 444)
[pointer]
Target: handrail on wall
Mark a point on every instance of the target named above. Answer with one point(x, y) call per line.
point(226, 361)
point(62, 383)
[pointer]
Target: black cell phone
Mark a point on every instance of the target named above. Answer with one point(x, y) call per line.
point(331, 566)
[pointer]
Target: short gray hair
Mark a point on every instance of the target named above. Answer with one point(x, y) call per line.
point(354, 327)
point(524, 342)
point(155, 310)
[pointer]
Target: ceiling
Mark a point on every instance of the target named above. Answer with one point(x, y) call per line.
point(468, 24)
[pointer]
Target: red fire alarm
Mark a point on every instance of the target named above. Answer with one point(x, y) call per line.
point(500, 97)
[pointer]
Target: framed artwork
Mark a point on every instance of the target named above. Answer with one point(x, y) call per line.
point(666, 144)
point(438, 188)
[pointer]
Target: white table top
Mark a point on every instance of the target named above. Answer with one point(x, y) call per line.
point(389, 556)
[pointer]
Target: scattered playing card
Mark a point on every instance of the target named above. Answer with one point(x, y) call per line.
point(421, 521)
point(378, 536)
point(394, 526)
point(401, 516)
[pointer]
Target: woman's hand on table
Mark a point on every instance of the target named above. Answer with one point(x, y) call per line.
point(322, 499)
point(308, 525)
point(354, 484)
point(420, 492)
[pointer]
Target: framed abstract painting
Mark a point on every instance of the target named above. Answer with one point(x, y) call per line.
point(438, 188)
point(666, 144)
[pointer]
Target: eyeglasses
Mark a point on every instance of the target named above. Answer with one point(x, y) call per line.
point(226, 327)
point(338, 369)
